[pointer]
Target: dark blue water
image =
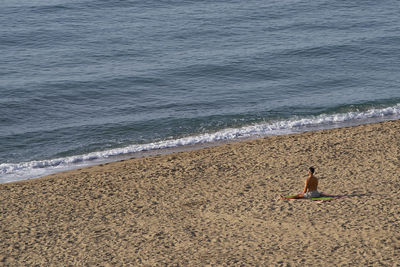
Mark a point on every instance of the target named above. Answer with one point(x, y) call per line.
point(82, 81)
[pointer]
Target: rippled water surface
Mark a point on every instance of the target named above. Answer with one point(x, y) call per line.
point(89, 80)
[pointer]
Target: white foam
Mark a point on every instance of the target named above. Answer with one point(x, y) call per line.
point(26, 170)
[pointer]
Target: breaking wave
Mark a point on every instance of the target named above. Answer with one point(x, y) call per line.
point(26, 170)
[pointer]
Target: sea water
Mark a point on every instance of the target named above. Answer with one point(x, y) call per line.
point(82, 82)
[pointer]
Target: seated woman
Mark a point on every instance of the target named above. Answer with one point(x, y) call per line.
point(310, 188)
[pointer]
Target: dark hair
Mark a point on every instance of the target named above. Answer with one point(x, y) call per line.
point(312, 170)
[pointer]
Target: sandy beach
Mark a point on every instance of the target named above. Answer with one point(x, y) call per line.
point(217, 206)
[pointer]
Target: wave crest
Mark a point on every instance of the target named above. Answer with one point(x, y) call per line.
point(26, 170)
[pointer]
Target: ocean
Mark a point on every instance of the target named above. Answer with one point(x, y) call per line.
point(85, 82)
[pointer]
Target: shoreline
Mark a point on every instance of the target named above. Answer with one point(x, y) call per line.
point(216, 205)
point(181, 148)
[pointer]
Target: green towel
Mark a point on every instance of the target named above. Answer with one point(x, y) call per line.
point(314, 198)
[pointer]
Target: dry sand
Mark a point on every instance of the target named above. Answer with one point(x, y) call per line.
point(216, 206)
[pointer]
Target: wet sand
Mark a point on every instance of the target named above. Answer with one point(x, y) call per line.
point(216, 206)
